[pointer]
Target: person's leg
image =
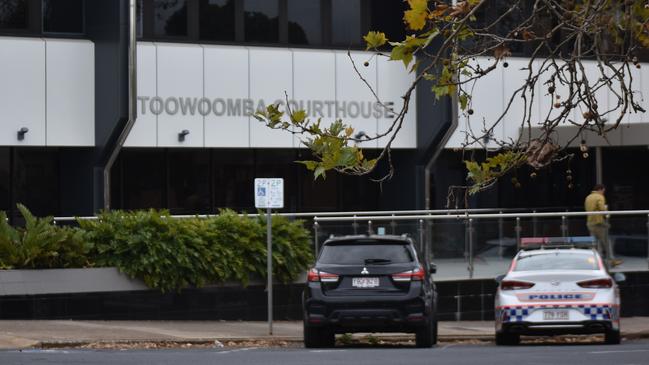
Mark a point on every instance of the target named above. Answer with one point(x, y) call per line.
point(598, 232)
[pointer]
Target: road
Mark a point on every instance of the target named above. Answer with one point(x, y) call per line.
point(628, 353)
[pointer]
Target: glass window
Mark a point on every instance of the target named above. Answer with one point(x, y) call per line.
point(36, 180)
point(63, 16)
point(4, 178)
point(557, 261)
point(261, 19)
point(233, 178)
point(346, 22)
point(304, 22)
point(387, 16)
point(365, 254)
point(188, 190)
point(142, 179)
point(217, 20)
point(13, 14)
point(170, 18)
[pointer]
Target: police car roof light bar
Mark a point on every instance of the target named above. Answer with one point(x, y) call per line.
point(535, 243)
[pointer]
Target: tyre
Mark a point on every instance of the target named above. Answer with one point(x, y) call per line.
point(317, 337)
point(427, 335)
point(507, 339)
point(612, 337)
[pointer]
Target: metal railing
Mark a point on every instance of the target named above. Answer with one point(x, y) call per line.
point(529, 223)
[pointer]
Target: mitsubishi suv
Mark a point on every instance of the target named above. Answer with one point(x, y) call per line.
point(372, 283)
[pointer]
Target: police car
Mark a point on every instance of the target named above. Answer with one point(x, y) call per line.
point(557, 286)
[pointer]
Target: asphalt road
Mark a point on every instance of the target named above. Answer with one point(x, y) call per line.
point(628, 353)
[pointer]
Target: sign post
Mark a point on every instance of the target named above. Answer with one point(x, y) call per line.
point(269, 194)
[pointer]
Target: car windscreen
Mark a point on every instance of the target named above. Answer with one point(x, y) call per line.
point(558, 260)
point(366, 253)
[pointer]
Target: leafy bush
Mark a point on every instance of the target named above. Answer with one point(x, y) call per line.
point(172, 253)
point(41, 244)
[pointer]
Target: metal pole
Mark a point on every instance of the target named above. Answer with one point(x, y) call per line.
point(518, 233)
point(564, 227)
point(421, 237)
point(316, 244)
point(466, 240)
point(393, 225)
point(269, 261)
point(535, 225)
point(369, 227)
point(355, 226)
point(647, 239)
point(501, 231)
point(471, 248)
point(429, 240)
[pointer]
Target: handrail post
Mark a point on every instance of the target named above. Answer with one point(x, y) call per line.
point(518, 233)
point(393, 225)
point(564, 227)
point(369, 227)
point(421, 237)
point(355, 225)
point(429, 239)
point(316, 244)
point(535, 225)
point(466, 240)
point(647, 239)
point(471, 248)
point(501, 231)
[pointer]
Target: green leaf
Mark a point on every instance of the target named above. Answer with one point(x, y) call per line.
point(375, 39)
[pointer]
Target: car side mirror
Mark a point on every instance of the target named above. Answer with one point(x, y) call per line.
point(619, 277)
point(500, 278)
point(432, 268)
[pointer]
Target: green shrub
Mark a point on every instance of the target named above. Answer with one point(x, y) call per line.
point(40, 244)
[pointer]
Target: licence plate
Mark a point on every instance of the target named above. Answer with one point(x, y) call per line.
point(556, 315)
point(365, 282)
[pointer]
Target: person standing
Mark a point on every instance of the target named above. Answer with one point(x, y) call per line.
point(597, 225)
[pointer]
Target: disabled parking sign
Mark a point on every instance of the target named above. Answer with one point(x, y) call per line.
point(269, 193)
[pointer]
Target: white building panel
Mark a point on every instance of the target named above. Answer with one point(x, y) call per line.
point(354, 98)
point(22, 91)
point(226, 83)
point(638, 85)
point(393, 81)
point(145, 130)
point(180, 88)
point(271, 75)
point(513, 78)
point(70, 72)
point(314, 73)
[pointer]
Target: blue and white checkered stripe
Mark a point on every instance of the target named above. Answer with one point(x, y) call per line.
point(594, 312)
point(598, 313)
point(515, 314)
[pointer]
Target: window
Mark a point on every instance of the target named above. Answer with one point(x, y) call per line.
point(143, 177)
point(188, 191)
point(140, 18)
point(346, 22)
point(36, 180)
point(557, 261)
point(4, 179)
point(357, 254)
point(304, 22)
point(63, 16)
point(13, 14)
point(261, 19)
point(385, 17)
point(170, 18)
point(217, 20)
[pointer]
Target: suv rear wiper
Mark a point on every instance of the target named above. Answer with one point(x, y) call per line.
point(377, 261)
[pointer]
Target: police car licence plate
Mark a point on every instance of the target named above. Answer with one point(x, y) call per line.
point(555, 315)
point(365, 282)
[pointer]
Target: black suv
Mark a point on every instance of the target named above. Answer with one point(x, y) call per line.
point(369, 284)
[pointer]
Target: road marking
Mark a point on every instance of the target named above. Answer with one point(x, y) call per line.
point(328, 350)
point(236, 350)
point(616, 351)
point(447, 346)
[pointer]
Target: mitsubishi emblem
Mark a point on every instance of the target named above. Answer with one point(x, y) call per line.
point(364, 271)
point(555, 283)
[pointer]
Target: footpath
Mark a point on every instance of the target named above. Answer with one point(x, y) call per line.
point(25, 334)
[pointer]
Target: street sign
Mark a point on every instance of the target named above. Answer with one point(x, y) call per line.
point(269, 193)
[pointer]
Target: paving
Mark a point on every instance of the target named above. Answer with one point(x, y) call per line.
point(21, 334)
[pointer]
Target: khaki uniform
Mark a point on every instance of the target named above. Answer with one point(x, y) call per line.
point(597, 225)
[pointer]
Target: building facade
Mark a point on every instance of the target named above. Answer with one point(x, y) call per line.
point(203, 67)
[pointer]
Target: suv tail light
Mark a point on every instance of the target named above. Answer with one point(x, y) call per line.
point(596, 284)
point(325, 277)
point(417, 274)
point(515, 285)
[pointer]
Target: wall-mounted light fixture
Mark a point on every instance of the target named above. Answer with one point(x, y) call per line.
point(21, 133)
point(181, 135)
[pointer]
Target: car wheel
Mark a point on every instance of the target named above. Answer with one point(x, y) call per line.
point(317, 337)
point(612, 337)
point(427, 335)
point(507, 339)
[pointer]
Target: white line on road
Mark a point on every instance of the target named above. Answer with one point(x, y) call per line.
point(236, 350)
point(327, 350)
point(616, 351)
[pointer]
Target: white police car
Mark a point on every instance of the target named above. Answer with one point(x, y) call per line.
point(554, 289)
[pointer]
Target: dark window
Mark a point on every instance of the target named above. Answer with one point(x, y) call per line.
point(188, 191)
point(5, 184)
point(217, 20)
point(557, 261)
point(63, 16)
point(233, 177)
point(351, 254)
point(13, 14)
point(36, 180)
point(346, 22)
point(140, 18)
point(170, 18)
point(387, 16)
point(304, 22)
point(143, 179)
point(261, 21)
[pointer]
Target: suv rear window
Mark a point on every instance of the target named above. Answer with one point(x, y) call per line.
point(357, 254)
point(557, 261)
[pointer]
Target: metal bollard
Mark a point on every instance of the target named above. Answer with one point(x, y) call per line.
point(471, 235)
point(393, 225)
point(429, 240)
point(564, 227)
point(421, 236)
point(501, 233)
point(466, 240)
point(369, 227)
point(518, 230)
point(355, 225)
point(315, 237)
point(535, 225)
